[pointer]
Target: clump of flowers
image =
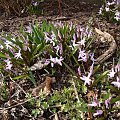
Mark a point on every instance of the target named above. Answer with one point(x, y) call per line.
point(111, 10)
point(62, 48)
point(34, 7)
point(114, 73)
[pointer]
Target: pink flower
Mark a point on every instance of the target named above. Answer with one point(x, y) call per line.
point(112, 73)
point(79, 71)
point(59, 48)
point(91, 69)
point(86, 79)
point(8, 44)
point(88, 32)
point(100, 11)
point(98, 112)
point(79, 31)
point(18, 55)
point(118, 2)
point(82, 55)
point(82, 42)
point(116, 83)
point(8, 65)
point(92, 57)
point(29, 29)
point(74, 37)
point(56, 61)
point(59, 35)
point(73, 42)
point(47, 37)
point(107, 9)
point(53, 36)
point(1, 47)
point(108, 101)
point(71, 26)
point(94, 103)
point(117, 16)
point(117, 68)
point(50, 38)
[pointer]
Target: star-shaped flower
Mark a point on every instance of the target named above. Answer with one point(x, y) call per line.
point(18, 55)
point(82, 42)
point(8, 65)
point(108, 101)
point(112, 73)
point(8, 44)
point(82, 55)
point(116, 83)
point(86, 79)
point(94, 103)
point(98, 112)
point(56, 61)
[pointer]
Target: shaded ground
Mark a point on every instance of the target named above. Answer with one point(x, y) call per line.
point(73, 10)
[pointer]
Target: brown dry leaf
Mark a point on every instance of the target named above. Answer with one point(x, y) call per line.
point(48, 83)
point(45, 87)
point(90, 94)
point(5, 115)
point(12, 87)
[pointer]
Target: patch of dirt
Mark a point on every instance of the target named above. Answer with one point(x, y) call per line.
point(50, 8)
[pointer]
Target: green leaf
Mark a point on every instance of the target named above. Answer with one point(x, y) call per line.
point(84, 89)
point(31, 38)
point(19, 77)
point(36, 33)
point(41, 51)
point(45, 105)
point(36, 112)
point(89, 42)
point(96, 68)
point(104, 74)
point(38, 48)
point(72, 71)
point(115, 99)
point(32, 78)
point(76, 60)
point(2, 55)
point(101, 77)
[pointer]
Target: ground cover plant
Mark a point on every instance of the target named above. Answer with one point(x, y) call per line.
point(59, 49)
point(49, 71)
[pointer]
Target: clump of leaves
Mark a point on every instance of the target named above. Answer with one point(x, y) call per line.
point(111, 10)
point(34, 8)
point(38, 47)
point(60, 48)
point(80, 101)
